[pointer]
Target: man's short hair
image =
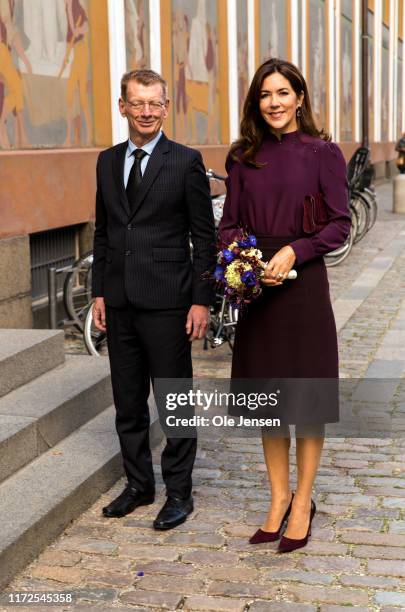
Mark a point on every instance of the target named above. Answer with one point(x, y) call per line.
point(145, 77)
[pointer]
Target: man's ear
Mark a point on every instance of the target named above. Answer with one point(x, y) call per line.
point(121, 107)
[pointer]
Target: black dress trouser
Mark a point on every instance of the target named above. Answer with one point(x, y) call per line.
point(144, 345)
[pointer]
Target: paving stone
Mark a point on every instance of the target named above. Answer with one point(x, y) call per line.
point(323, 548)
point(390, 598)
point(282, 606)
point(96, 595)
point(379, 539)
point(379, 552)
point(173, 584)
point(362, 524)
point(374, 582)
point(153, 599)
point(334, 565)
point(205, 540)
point(342, 609)
point(214, 604)
point(59, 557)
point(163, 567)
point(210, 557)
point(107, 564)
point(242, 574)
point(114, 579)
point(299, 576)
point(149, 553)
point(324, 594)
point(242, 589)
point(87, 545)
point(66, 575)
point(387, 568)
point(243, 531)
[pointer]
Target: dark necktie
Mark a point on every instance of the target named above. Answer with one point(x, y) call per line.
point(135, 176)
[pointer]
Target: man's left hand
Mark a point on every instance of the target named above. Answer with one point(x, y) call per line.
point(197, 321)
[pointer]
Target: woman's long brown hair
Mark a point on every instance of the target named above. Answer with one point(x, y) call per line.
point(253, 127)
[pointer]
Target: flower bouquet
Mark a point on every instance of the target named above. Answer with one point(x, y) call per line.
point(240, 268)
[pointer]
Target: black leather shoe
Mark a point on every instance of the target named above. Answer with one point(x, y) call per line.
point(127, 501)
point(174, 512)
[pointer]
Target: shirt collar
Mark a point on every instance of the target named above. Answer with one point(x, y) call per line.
point(148, 147)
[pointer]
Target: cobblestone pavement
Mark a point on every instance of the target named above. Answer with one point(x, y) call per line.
point(356, 556)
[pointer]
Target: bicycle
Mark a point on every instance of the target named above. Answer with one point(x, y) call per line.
point(77, 289)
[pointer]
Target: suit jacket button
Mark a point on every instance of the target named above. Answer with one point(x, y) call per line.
point(129, 226)
point(127, 252)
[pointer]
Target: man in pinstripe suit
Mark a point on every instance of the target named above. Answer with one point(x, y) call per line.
point(152, 194)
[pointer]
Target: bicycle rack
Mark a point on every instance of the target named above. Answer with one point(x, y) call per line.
point(53, 298)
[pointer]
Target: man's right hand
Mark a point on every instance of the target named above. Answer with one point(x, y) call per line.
point(99, 314)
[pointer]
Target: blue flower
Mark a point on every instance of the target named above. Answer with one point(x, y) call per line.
point(243, 243)
point(219, 273)
point(228, 255)
point(252, 240)
point(249, 278)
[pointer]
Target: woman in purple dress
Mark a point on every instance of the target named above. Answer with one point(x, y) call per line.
point(289, 332)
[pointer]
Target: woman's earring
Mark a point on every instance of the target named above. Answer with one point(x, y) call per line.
point(299, 112)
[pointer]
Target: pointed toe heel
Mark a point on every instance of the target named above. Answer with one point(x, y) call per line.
point(289, 544)
point(260, 536)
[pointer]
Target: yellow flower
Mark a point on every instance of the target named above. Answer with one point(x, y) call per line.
point(252, 253)
point(234, 272)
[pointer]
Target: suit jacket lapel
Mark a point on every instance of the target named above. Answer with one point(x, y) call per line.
point(153, 168)
point(118, 171)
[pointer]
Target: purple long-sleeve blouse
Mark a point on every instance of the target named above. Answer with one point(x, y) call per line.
point(269, 200)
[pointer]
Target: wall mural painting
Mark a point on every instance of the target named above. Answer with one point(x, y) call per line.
point(317, 60)
point(273, 29)
point(370, 48)
point(137, 34)
point(399, 89)
point(243, 67)
point(195, 61)
point(45, 74)
point(385, 84)
point(346, 80)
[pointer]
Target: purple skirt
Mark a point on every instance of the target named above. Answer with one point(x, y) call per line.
point(289, 332)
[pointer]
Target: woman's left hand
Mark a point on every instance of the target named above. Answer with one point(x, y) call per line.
point(279, 266)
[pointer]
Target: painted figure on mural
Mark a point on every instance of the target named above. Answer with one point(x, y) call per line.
point(243, 67)
point(346, 84)
point(181, 39)
point(77, 45)
point(11, 85)
point(318, 66)
point(211, 62)
point(196, 70)
point(136, 34)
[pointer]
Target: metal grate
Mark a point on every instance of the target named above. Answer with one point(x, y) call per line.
point(51, 248)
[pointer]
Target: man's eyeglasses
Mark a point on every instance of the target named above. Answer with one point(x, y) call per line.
point(154, 105)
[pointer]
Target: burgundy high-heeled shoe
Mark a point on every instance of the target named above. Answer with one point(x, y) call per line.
point(290, 544)
point(270, 536)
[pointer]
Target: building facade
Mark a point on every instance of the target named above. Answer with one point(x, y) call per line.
point(60, 66)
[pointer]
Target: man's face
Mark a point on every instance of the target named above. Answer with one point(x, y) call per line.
point(145, 109)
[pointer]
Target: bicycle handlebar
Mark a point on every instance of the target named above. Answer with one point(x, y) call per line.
point(211, 174)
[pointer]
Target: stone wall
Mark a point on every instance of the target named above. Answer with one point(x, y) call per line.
point(15, 283)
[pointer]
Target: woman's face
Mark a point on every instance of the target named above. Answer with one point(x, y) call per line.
point(278, 103)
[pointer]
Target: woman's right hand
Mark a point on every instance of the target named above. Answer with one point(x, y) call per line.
point(279, 266)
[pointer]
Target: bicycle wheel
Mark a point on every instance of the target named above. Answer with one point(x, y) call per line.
point(370, 197)
point(336, 257)
point(223, 319)
point(94, 339)
point(77, 289)
point(362, 212)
